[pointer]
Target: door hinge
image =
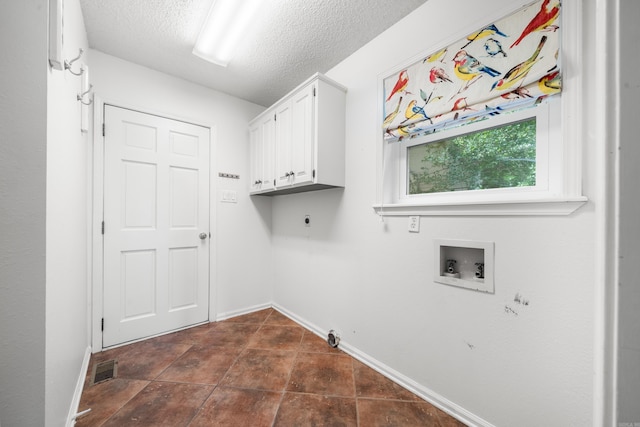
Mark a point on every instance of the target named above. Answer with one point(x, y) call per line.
point(102, 325)
point(103, 129)
point(274, 182)
point(274, 118)
point(102, 227)
point(313, 175)
point(314, 91)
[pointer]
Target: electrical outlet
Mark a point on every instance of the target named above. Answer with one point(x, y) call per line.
point(414, 224)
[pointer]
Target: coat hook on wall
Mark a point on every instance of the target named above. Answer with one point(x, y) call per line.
point(68, 64)
point(82, 95)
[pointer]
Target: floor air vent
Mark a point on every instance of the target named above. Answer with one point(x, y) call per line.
point(104, 371)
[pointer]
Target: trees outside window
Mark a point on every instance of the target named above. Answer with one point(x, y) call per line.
point(499, 157)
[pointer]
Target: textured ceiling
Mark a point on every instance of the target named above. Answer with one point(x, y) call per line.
point(291, 40)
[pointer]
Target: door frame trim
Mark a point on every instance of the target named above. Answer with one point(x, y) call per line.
point(96, 248)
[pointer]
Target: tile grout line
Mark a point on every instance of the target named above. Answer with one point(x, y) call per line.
point(149, 382)
point(286, 384)
point(129, 400)
point(355, 392)
point(195, 414)
point(223, 376)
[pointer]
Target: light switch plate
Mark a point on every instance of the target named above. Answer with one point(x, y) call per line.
point(414, 224)
point(229, 196)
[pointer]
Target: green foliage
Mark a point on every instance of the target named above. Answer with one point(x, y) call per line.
point(492, 158)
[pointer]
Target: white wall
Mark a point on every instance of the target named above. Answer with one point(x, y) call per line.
point(242, 275)
point(23, 136)
point(629, 255)
point(67, 336)
point(372, 281)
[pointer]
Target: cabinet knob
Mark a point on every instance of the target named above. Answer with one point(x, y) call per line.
point(286, 174)
point(291, 173)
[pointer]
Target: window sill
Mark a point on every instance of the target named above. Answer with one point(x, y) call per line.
point(531, 207)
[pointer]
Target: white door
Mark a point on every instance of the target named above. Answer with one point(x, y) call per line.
point(156, 225)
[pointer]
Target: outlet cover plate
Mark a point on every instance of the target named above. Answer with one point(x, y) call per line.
point(414, 224)
point(229, 196)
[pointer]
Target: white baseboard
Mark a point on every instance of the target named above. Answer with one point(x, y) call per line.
point(235, 313)
point(425, 393)
point(75, 402)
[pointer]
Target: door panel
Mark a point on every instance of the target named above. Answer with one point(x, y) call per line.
point(183, 269)
point(138, 283)
point(183, 195)
point(156, 190)
point(139, 190)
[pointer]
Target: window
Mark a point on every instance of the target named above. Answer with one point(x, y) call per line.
point(498, 157)
point(524, 162)
point(512, 163)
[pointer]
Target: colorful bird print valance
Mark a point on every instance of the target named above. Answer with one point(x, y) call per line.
point(509, 64)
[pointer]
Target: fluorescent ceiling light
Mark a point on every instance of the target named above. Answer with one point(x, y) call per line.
point(223, 29)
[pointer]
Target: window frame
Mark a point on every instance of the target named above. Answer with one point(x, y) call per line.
point(546, 170)
point(564, 193)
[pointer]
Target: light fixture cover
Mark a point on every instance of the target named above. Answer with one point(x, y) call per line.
point(223, 29)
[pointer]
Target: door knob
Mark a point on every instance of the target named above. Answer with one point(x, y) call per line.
point(203, 236)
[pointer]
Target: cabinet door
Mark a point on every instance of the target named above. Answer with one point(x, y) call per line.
point(283, 141)
point(303, 135)
point(268, 153)
point(255, 157)
point(262, 138)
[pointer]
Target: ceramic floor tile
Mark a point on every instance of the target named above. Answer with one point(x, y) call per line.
point(391, 413)
point(370, 383)
point(260, 369)
point(105, 399)
point(200, 365)
point(185, 336)
point(162, 404)
point(147, 360)
point(275, 337)
point(257, 369)
point(228, 334)
point(255, 317)
point(315, 410)
point(327, 374)
point(277, 318)
point(311, 343)
point(238, 407)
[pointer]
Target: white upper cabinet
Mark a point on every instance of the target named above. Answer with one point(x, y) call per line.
point(308, 140)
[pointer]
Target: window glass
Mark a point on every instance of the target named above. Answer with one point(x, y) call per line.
point(499, 157)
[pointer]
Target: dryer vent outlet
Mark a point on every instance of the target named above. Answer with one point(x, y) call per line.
point(333, 339)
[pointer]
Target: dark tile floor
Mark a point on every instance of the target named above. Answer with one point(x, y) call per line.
point(259, 369)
